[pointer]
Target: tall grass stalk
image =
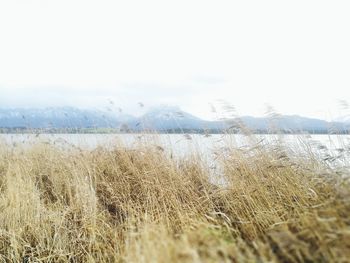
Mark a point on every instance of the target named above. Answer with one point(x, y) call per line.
point(143, 205)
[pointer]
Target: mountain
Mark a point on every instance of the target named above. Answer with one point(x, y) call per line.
point(169, 118)
point(64, 117)
point(345, 119)
point(164, 118)
point(293, 123)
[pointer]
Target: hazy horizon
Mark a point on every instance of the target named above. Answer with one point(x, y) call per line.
point(219, 113)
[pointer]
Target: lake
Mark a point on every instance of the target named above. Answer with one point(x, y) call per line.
point(336, 148)
point(181, 144)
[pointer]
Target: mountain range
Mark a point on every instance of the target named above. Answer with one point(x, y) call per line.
point(164, 118)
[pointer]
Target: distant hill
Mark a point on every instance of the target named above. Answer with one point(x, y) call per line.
point(65, 117)
point(168, 118)
point(293, 123)
point(344, 119)
point(163, 119)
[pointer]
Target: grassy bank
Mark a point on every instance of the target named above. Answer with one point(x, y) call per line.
point(142, 205)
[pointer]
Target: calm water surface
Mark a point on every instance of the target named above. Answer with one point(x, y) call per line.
point(182, 144)
point(335, 148)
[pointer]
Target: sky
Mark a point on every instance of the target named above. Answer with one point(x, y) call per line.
point(291, 55)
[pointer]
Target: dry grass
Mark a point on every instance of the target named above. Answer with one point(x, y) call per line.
point(69, 205)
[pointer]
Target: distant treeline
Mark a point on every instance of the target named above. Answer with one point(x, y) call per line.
point(93, 130)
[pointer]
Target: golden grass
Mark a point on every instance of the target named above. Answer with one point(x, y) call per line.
point(141, 205)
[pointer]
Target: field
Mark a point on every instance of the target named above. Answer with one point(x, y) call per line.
point(267, 204)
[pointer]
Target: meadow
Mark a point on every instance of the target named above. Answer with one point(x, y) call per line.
point(141, 204)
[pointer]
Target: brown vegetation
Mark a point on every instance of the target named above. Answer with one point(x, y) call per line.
point(141, 205)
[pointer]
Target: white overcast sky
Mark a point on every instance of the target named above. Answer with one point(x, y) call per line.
point(293, 55)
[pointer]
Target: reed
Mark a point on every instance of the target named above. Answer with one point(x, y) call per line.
point(268, 204)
